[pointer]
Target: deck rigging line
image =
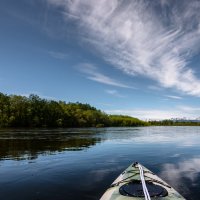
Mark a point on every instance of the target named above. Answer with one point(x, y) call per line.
point(144, 187)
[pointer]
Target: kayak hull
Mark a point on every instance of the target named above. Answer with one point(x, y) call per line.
point(132, 174)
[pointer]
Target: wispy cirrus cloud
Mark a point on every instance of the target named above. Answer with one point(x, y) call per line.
point(173, 97)
point(114, 93)
point(140, 39)
point(94, 75)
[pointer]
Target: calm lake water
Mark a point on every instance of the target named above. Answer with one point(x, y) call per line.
point(73, 164)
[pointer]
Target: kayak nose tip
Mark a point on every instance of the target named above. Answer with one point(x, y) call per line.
point(135, 163)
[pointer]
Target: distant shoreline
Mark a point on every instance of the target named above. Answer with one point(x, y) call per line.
point(57, 128)
point(34, 112)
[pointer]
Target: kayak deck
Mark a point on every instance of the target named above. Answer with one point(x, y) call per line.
point(129, 180)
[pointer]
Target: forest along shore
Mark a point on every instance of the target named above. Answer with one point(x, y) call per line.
point(33, 111)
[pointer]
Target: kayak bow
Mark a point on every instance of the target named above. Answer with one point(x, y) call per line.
point(139, 183)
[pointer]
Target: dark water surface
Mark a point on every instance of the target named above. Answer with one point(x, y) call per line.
point(75, 164)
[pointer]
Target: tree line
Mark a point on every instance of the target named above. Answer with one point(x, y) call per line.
point(33, 111)
point(174, 123)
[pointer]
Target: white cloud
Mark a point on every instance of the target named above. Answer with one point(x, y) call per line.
point(189, 109)
point(173, 97)
point(132, 37)
point(178, 112)
point(147, 114)
point(114, 93)
point(94, 75)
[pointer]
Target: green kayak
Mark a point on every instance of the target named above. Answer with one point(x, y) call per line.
point(139, 183)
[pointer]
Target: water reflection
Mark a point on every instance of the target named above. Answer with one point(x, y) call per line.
point(182, 172)
point(28, 144)
point(82, 163)
point(20, 145)
point(152, 135)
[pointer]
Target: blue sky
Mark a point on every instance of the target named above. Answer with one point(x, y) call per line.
point(134, 57)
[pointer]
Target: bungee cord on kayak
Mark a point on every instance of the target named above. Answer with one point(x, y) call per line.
point(145, 190)
point(128, 179)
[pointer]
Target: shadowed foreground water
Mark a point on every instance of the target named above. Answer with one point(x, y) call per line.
point(75, 164)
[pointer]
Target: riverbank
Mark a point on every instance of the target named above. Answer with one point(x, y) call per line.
point(34, 112)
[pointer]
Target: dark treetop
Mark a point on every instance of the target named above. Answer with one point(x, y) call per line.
point(33, 111)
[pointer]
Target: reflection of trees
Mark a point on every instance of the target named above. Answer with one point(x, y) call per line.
point(29, 146)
